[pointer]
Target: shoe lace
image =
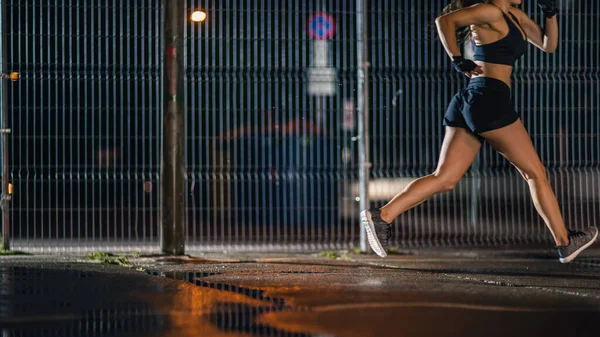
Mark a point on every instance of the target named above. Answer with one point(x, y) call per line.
point(575, 233)
point(388, 228)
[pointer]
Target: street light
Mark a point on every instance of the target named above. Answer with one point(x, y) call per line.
point(198, 16)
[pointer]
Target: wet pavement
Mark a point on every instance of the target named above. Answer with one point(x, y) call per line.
point(426, 293)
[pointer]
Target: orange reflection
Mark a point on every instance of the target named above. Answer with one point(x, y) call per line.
point(187, 308)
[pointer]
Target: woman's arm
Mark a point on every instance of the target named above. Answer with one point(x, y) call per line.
point(544, 39)
point(479, 14)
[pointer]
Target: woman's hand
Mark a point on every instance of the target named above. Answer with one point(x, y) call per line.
point(467, 67)
point(477, 71)
point(548, 7)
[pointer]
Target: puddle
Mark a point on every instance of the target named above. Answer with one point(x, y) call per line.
point(235, 309)
point(291, 301)
point(49, 302)
point(338, 309)
point(62, 302)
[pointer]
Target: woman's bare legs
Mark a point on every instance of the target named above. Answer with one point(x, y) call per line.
point(458, 152)
point(514, 144)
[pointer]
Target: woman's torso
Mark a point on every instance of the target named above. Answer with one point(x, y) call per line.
point(507, 31)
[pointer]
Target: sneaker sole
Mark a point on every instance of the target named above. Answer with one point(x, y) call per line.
point(581, 249)
point(367, 221)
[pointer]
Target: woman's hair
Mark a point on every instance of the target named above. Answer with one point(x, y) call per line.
point(463, 33)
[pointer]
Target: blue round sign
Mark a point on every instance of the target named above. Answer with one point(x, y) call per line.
point(321, 26)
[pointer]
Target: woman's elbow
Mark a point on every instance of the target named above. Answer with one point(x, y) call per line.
point(443, 24)
point(550, 49)
point(439, 21)
point(550, 45)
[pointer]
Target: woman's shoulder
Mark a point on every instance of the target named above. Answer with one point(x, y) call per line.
point(485, 13)
point(518, 13)
point(490, 8)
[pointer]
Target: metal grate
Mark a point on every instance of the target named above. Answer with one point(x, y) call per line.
point(268, 165)
point(86, 123)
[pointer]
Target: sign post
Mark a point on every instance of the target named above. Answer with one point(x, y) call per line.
point(362, 111)
point(172, 169)
point(321, 76)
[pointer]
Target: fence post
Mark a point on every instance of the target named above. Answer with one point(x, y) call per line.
point(362, 111)
point(475, 192)
point(172, 162)
point(4, 130)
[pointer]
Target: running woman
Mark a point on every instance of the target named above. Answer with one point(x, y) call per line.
point(484, 111)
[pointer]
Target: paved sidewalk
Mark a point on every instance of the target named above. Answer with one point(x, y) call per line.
point(433, 292)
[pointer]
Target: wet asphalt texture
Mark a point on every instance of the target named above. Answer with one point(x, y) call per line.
point(420, 293)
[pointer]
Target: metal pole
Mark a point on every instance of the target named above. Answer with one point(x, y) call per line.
point(172, 163)
point(475, 191)
point(362, 111)
point(5, 131)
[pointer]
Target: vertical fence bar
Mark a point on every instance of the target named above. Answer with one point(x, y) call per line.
point(362, 111)
point(4, 130)
point(172, 170)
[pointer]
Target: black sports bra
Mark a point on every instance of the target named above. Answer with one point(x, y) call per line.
point(507, 50)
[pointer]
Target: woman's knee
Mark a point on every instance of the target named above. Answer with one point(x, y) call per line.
point(446, 182)
point(536, 173)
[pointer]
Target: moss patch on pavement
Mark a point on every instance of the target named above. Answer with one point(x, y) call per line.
point(108, 258)
point(11, 252)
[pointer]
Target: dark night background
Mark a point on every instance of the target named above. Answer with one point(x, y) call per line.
point(86, 115)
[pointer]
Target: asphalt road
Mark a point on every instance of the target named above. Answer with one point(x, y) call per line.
point(425, 293)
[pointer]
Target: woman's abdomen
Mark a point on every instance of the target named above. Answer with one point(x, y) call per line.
point(498, 71)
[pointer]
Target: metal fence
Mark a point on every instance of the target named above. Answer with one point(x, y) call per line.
point(85, 123)
point(271, 125)
point(270, 163)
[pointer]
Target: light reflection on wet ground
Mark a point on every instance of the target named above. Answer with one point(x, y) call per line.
point(66, 302)
point(437, 298)
point(404, 296)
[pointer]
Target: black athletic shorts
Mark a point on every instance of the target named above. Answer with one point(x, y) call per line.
point(484, 105)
